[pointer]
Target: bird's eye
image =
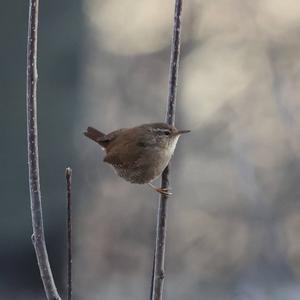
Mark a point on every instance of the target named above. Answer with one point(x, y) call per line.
point(162, 131)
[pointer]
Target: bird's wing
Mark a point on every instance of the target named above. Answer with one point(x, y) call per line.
point(124, 152)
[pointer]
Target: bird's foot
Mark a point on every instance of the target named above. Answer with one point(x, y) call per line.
point(163, 191)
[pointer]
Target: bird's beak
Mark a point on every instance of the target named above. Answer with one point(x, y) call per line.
point(182, 131)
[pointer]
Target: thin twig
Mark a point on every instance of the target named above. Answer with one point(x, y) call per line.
point(38, 237)
point(152, 276)
point(160, 246)
point(69, 231)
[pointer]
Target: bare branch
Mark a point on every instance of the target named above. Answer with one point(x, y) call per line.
point(38, 237)
point(69, 231)
point(159, 257)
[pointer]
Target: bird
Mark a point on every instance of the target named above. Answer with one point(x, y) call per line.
point(139, 154)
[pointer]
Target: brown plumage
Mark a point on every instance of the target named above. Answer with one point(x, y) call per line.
point(138, 154)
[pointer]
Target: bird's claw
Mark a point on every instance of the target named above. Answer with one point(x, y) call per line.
point(164, 191)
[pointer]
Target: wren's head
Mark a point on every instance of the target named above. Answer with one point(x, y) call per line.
point(164, 135)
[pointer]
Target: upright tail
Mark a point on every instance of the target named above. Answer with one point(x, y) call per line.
point(95, 135)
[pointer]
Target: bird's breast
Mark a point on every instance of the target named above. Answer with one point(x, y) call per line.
point(148, 165)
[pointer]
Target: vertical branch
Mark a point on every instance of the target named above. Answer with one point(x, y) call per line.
point(160, 246)
point(38, 237)
point(69, 231)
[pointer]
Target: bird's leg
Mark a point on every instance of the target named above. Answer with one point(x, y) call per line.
point(163, 191)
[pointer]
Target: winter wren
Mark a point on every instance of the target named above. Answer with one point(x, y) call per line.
point(139, 154)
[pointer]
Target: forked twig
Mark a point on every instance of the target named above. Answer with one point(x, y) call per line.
point(38, 237)
point(160, 245)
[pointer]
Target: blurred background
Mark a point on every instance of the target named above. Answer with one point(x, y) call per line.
point(234, 219)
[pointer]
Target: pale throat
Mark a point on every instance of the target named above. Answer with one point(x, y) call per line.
point(172, 145)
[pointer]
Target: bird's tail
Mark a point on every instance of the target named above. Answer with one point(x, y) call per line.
point(95, 135)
